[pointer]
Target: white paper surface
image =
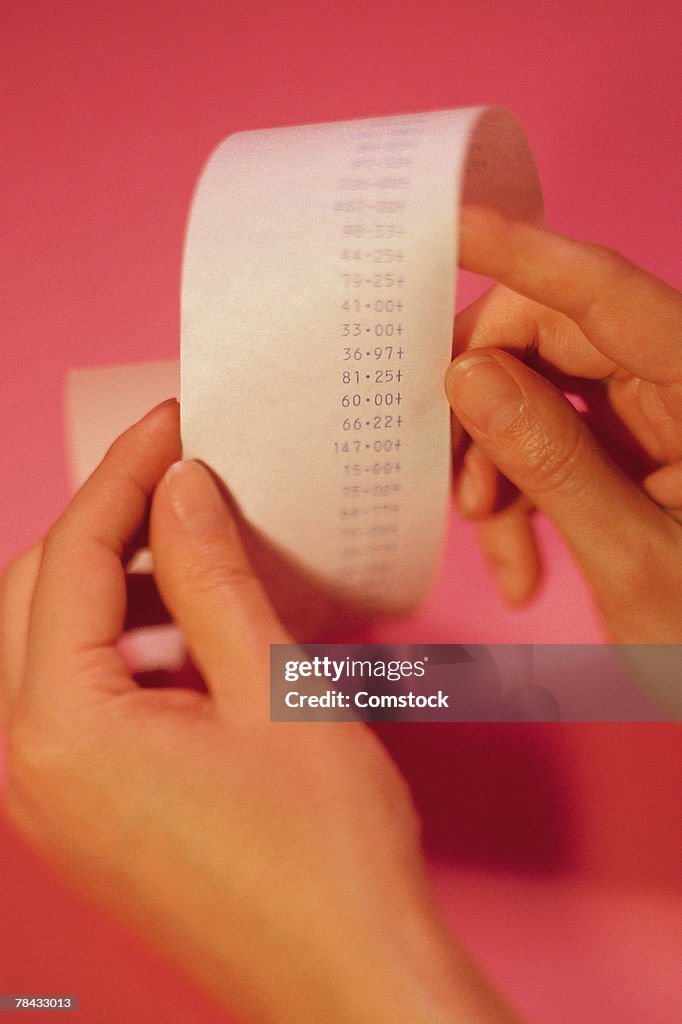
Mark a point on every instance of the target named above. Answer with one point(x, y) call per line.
point(317, 312)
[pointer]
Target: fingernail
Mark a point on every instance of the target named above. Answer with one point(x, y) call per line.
point(486, 395)
point(162, 405)
point(195, 498)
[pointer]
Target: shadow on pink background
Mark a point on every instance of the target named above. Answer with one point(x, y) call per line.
point(558, 847)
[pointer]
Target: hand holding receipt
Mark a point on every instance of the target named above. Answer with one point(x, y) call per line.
point(294, 888)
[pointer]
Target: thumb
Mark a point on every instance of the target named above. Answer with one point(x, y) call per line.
point(209, 587)
point(534, 437)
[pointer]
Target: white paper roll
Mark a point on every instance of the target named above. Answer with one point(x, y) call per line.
point(317, 312)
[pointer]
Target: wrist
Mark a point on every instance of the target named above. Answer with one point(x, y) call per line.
point(414, 972)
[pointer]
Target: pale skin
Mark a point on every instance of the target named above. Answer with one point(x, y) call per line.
point(280, 865)
point(588, 313)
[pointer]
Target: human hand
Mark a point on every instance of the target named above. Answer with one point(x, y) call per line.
point(610, 332)
point(279, 864)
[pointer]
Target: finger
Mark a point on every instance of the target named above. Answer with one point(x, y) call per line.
point(501, 318)
point(505, 531)
point(18, 584)
point(510, 549)
point(665, 487)
point(504, 319)
point(80, 596)
point(612, 301)
point(537, 440)
point(476, 487)
point(480, 489)
point(628, 408)
point(209, 586)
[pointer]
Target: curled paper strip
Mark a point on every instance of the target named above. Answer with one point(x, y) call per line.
point(317, 309)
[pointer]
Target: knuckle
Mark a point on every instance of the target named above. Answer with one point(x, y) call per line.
point(612, 273)
point(215, 568)
point(555, 460)
point(641, 581)
point(30, 756)
point(618, 271)
point(29, 782)
point(55, 539)
point(16, 572)
point(10, 576)
point(609, 260)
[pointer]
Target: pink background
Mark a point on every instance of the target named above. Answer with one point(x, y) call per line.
point(568, 837)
